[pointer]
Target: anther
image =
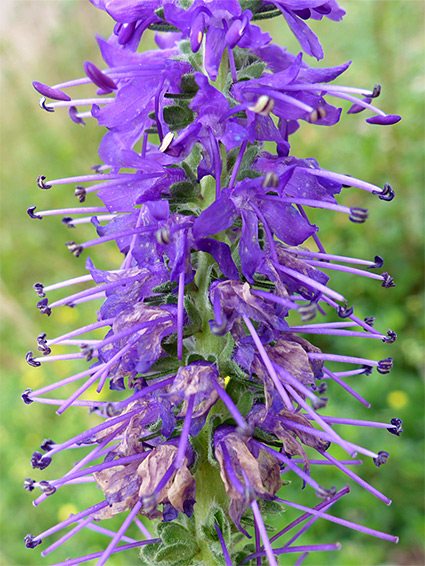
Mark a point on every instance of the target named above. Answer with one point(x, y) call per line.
point(271, 180)
point(344, 312)
point(26, 397)
point(386, 194)
point(38, 288)
point(323, 493)
point(42, 344)
point(370, 320)
point(74, 248)
point(46, 90)
point(398, 427)
point(166, 142)
point(30, 360)
point(379, 262)
point(358, 215)
point(39, 461)
point(47, 444)
point(390, 337)
point(384, 366)
point(376, 91)
point(367, 370)
point(163, 236)
point(29, 484)
point(388, 280)
point(263, 106)
point(41, 183)
point(42, 104)
point(381, 459)
point(80, 193)
point(99, 78)
point(317, 114)
point(87, 351)
point(68, 221)
point(307, 312)
point(30, 212)
point(46, 487)
point(30, 541)
point(73, 114)
point(43, 307)
point(323, 387)
point(319, 403)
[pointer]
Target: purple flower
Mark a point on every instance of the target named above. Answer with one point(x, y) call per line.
point(201, 326)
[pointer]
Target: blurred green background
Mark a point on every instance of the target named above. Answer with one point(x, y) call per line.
point(48, 40)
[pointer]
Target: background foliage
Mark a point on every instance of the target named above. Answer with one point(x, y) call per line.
point(48, 40)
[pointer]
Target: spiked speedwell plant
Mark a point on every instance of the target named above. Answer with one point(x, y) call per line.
point(203, 198)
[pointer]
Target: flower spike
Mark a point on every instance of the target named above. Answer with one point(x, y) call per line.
point(204, 391)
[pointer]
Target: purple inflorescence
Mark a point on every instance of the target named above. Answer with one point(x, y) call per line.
point(220, 390)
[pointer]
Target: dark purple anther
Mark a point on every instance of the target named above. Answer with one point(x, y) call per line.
point(381, 459)
point(323, 387)
point(43, 105)
point(38, 288)
point(384, 366)
point(41, 183)
point(379, 262)
point(50, 92)
point(74, 248)
point(98, 78)
point(39, 461)
point(30, 541)
point(388, 280)
point(87, 351)
point(42, 344)
point(376, 91)
point(367, 370)
point(68, 221)
point(47, 444)
point(74, 117)
point(344, 312)
point(390, 337)
point(29, 484)
point(387, 120)
point(369, 320)
point(46, 487)
point(398, 427)
point(43, 307)
point(30, 212)
point(30, 360)
point(387, 194)
point(26, 397)
point(80, 193)
point(304, 14)
point(358, 215)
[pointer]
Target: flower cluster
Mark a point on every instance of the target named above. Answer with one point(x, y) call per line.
point(223, 391)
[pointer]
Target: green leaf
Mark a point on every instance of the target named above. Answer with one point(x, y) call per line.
point(177, 117)
point(253, 71)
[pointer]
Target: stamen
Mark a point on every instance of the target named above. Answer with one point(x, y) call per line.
point(381, 459)
point(311, 282)
point(339, 521)
point(166, 142)
point(41, 183)
point(31, 214)
point(267, 362)
point(43, 105)
point(396, 428)
point(263, 106)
